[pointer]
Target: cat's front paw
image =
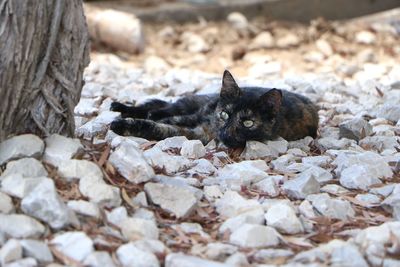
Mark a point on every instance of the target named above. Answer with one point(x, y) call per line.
point(118, 126)
point(118, 107)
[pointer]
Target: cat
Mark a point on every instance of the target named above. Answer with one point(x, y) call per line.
point(233, 116)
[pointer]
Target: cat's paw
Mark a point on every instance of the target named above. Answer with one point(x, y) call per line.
point(118, 107)
point(118, 126)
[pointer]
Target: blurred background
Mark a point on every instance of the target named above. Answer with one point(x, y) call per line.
point(254, 37)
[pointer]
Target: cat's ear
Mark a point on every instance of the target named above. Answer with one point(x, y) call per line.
point(272, 100)
point(229, 88)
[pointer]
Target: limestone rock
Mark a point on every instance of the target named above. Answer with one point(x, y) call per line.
point(193, 149)
point(176, 200)
point(252, 216)
point(59, 148)
point(253, 235)
point(283, 218)
point(44, 203)
point(358, 177)
point(136, 228)
point(84, 208)
point(99, 259)
point(37, 249)
point(76, 245)
point(10, 251)
point(27, 167)
point(159, 159)
point(26, 145)
point(74, 168)
point(331, 207)
point(181, 260)
point(232, 204)
point(131, 256)
point(20, 226)
point(301, 187)
point(131, 164)
point(243, 173)
point(355, 129)
point(6, 204)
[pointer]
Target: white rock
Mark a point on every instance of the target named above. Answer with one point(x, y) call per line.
point(307, 210)
point(288, 40)
point(280, 164)
point(244, 172)
point(262, 40)
point(143, 213)
point(175, 142)
point(193, 149)
point(27, 167)
point(370, 200)
point(237, 259)
point(189, 184)
point(358, 177)
point(155, 65)
point(384, 191)
point(301, 187)
point(219, 251)
point(140, 199)
point(97, 125)
point(390, 112)
point(76, 245)
point(87, 106)
point(331, 207)
point(381, 143)
point(320, 161)
point(6, 204)
point(377, 241)
point(37, 249)
point(375, 164)
point(44, 203)
point(203, 166)
point(131, 164)
point(268, 186)
point(232, 204)
point(239, 22)
point(181, 260)
point(151, 245)
point(194, 43)
point(320, 174)
point(270, 254)
point(99, 259)
point(25, 262)
point(212, 192)
point(20, 226)
point(10, 251)
point(136, 228)
point(334, 189)
point(253, 216)
point(355, 129)
point(162, 160)
point(324, 46)
point(84, 208)
point(17, 186)
point(26, 145)
point(176, 200)
point(365, 37)
point(99, 192)
point(60, 148)
point(191, 228)
point(131, 256)
point(253, 235)
point(117, 215)
point(333, 143)
point(283, 218)
point(255, 149)
point(74, 168)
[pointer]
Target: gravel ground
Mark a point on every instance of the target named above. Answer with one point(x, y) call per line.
point(106, 200)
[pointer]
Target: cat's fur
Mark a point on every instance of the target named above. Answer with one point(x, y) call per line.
point(272, 112)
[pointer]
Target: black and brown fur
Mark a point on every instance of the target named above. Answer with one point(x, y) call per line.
point(272, 113)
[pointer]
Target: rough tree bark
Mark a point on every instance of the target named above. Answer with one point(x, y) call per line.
point(44, 48)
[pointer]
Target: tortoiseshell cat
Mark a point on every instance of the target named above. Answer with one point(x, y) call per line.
point(234, 116)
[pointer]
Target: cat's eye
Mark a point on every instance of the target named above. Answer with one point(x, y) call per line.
point(223, 115)
point(248, 123)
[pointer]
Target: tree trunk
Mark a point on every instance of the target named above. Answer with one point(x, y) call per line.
point(44, 48)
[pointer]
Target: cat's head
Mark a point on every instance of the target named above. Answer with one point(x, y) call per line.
point(243, 115)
